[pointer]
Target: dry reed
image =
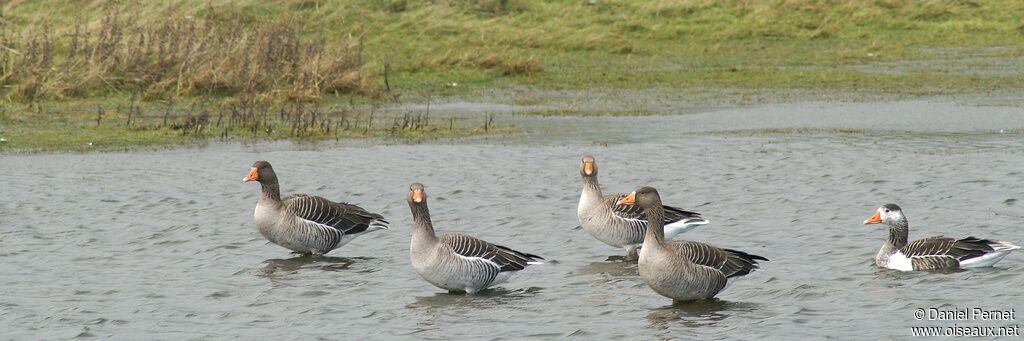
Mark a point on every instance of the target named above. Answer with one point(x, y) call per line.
point(221, 54)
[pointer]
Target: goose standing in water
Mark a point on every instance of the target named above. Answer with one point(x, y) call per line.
point(683, 270)
point(305, 223)
point(934, 253)
point(457, 262)
point(623, 225)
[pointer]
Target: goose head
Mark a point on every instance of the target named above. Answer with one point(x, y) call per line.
point(588, 166)
point(888, 214)
point(645, 197)
point(261, 171)
point(416, 194)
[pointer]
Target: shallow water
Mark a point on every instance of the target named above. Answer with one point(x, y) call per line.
point(161, 244)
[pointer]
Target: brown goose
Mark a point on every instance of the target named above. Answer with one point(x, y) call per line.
point(457, 262)
point(933, 253)
point(623, 225)
point(683, 270)
point(305, 223)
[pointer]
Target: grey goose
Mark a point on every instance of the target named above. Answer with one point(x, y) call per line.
point(458, 262)
point(305, 223)
point(623, 225)
point(934, 253)
point(683, 270)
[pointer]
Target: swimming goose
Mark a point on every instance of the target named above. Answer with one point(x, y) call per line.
point(683, 270)
point(934, 253)
point(305, 223)
point(457, 262)
point(622, 225)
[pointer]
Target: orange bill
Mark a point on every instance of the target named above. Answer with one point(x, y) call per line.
point(875, 219)
point(627, 200)
point(253, 175)
point(417, 195)
point(588, 168)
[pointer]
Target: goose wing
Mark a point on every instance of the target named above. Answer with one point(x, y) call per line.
point(635, 215)
point(504, 258)
point(343, 217)
point(943, 252)
point(740, 263)
point(625, 212)
point(674, 215)
point(731, 263)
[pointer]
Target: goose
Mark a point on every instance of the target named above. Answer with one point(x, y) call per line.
point(937, 253)
point(623, 225)
point(457, 262)
point(683, 270)
point(305, 223)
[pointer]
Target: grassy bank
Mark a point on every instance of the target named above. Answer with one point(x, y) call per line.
point(383, 52)
point(81, 126)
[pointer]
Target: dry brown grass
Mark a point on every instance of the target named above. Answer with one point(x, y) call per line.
point(488, 61)
point(525, 67)
point(223, 53)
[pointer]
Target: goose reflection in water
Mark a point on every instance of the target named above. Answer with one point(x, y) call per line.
point(273, 268)
point(696, 314)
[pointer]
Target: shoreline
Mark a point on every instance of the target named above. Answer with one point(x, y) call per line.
point(510, 122)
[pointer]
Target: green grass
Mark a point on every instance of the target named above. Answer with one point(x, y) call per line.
point(673, 44)
point(77, 130)
point(614, 44)
point(683, 47)
point(84, 137)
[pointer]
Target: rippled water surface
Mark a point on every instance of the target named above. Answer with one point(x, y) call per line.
point(161, 244)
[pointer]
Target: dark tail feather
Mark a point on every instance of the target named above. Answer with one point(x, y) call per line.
point(750, 257)
point(669, 210)
point(520, 254)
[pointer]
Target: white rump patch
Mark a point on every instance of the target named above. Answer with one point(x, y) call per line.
point(899, 261)
point(988, 259)
point(679, 227)
point(1003, 246)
